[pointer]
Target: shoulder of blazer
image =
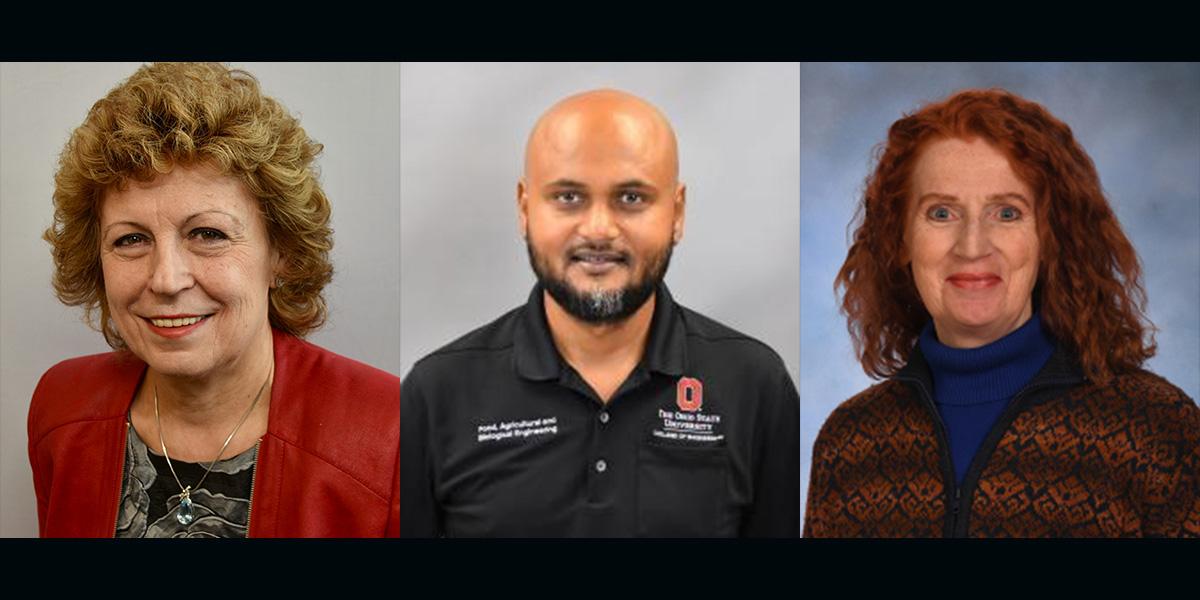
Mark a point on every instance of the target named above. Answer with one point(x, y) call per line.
point(303, 369)
point(338, 410)
point(87, 388)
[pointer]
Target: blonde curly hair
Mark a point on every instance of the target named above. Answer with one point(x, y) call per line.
point(186, 114)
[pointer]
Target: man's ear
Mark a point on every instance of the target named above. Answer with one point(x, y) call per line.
point(680, 210)
point(523, 208)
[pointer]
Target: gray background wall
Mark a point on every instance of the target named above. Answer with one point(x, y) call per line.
point(1139, 122)
point(351, 108)
point(463, 130)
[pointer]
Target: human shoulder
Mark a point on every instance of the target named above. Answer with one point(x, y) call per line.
point(883, 397)
point(304, 368)
point(734, 347)
point(336, 410)
point(1153, 389)
point(482, 343)
point(86, 388)
point(1144, 396)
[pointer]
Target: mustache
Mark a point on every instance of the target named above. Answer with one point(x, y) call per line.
point(589, 250)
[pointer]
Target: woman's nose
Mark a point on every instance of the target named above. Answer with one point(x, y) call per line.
point(172, 271)
point(972, 241)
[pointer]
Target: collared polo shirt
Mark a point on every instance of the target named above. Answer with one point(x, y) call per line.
point(501, 437)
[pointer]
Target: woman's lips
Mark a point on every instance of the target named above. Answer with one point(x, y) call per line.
point(175, 326)
point(974, 281)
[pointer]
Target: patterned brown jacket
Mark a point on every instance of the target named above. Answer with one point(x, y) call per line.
point(1067, 458)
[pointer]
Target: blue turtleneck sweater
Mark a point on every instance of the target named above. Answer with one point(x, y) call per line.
point(972, 386)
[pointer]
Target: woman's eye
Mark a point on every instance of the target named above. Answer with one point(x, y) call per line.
point(208, 235)
point(129, 240)
point(1008, 213)
point(940, 213)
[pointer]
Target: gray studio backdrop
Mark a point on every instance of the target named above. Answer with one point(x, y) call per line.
point(463, 129)
point(1139, 122)
point(351, 108)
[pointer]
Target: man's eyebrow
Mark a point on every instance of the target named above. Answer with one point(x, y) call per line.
point(566, 183)
point(636, 184)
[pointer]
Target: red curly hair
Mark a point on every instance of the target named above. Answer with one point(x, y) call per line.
point(1089, 289)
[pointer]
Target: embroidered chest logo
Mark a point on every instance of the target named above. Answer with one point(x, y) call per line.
point(689, 394)
point(519, 429)
point(689, 423)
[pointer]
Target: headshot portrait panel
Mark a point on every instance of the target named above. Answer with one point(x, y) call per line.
point(471, 201)
point(464, 128)
point(1140, 126)
point(333, 180)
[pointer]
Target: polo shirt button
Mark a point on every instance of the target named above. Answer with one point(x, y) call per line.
point(604, 416)
point(601, 466)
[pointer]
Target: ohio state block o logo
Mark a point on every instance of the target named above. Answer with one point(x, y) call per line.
point(689, 394)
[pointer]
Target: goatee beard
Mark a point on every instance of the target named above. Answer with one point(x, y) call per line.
point(601, 306)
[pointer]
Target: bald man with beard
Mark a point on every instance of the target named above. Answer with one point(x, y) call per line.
point(600, 407)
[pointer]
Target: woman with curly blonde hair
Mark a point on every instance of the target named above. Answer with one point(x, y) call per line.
point(991, 284)
point(190, 226)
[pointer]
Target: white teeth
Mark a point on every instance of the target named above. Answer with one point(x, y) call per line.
point(175, 322)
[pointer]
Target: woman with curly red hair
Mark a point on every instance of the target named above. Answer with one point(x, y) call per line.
point(188, 215)
point(991, 284)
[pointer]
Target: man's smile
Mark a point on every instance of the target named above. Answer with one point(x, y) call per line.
point(598, 262)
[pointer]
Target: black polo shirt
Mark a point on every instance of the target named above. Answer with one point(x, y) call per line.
point(501, 437)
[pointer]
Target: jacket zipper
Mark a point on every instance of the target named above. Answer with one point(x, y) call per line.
point(250, 501)
point(121, 486)
point(983, 455)
point(959, 516)
point(956, 508)
point(988, 447)
point(953, 494)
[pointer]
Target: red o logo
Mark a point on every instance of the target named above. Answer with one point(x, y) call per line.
point(689, 394)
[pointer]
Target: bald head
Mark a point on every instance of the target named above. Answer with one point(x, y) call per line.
point(600, 205)
point(603, 127)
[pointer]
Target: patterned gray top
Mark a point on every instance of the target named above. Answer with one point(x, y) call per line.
point(150, 495)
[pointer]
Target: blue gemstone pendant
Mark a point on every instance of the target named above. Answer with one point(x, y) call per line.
point(186, 513)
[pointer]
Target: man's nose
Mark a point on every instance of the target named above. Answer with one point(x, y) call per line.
point(599, 223)
point(172, 270)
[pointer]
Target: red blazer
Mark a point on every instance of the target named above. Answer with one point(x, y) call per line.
point(328, 466)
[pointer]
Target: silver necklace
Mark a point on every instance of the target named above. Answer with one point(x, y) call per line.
point(186, 512)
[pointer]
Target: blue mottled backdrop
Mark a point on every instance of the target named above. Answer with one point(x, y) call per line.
point(1139, 122)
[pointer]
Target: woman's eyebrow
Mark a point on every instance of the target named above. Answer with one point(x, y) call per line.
point(132, 223)
point(1003, 196)
point(233, 217)
point(1011, 196)
point(214, 211)
point(937, 196)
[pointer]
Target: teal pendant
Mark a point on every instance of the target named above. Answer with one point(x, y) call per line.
point(186, 513)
